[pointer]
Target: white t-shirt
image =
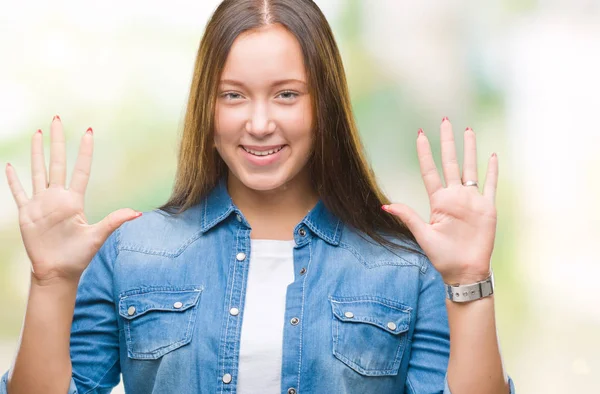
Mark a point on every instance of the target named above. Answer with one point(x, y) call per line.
point(271, 270)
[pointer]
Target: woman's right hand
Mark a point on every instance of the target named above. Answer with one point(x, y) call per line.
point(57, 237)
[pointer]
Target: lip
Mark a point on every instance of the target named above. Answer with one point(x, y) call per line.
point(262, 160)
point(262, 148)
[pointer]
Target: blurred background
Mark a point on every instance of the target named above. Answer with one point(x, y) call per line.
point(523, 74)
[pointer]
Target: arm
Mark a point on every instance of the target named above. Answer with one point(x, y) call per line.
point(70, 332)
point(473, 347)
point(43, 363)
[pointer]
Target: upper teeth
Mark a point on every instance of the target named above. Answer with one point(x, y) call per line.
point(262, 153)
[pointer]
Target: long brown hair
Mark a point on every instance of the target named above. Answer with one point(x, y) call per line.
point(339, 170)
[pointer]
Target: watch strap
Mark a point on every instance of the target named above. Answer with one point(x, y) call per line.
point(471, 292)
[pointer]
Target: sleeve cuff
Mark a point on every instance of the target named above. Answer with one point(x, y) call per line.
point(4, 381)
point(511, 386)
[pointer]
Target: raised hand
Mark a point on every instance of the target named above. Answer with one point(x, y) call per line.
point(57, 237)
point(459, 238)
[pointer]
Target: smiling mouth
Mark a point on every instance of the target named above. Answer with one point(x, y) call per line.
point(262, 153)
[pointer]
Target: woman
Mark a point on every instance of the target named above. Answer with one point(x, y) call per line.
point(272, 268)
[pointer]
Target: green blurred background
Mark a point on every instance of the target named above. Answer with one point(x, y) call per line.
point(522, 74)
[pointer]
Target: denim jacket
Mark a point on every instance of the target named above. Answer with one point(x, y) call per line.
point(162, 303)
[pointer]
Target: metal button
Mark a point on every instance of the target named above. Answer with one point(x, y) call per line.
point(177, 305)
point(302, 232)
point(291, 390)
point(349, 315)
point(391, 325)
point(302, 271)
point(131, 310)
point(234, 311)
point(294, 321)
point(240, 256)
point(227, 378)
point(238, 217)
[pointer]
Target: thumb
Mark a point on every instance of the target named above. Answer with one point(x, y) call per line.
point(114, 220)
point(409, 217)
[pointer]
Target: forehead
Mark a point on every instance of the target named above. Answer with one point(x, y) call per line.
point(265, 54)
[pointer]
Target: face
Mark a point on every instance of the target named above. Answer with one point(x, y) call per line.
point(263, 111)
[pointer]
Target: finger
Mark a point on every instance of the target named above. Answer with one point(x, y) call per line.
point(470, 157)
point(491, 179)
point(449, 162)
point(39, 177)
point(15, 186)
point(114, 220)
point(58, 158)
point(410, 218)
point(429, 172)
point(83, 165)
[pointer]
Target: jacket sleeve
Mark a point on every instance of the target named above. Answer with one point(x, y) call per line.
point(428, 364)
point(94, 332)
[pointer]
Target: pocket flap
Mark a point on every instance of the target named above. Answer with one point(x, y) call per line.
point(388, 315)
point(142, 301)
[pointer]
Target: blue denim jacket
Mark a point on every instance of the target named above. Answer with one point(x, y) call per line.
point(156, 304)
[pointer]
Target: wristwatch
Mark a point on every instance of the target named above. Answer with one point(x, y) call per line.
point(471, 292)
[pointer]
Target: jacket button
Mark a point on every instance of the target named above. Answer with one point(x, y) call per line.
point(131, 310)
point(294, 321)
point(292, 390)
point(302, 232)
point(349, 315)
point(391, 325)
point(234, 311)
point(227, 378)
point(240, 256)
point(302, 271)
point(177, 305)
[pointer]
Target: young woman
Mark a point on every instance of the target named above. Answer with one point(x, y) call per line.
point(272, 268)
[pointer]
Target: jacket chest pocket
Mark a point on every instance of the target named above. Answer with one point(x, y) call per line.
point(369, 333)
point(158, 320)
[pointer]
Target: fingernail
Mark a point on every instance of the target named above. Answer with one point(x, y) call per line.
point(55, 117)
point(89, 130)
point(39, 131)
point(494, 154)
point(468, 128)
point(445, 118)
point(138, 214)
point(8, 165)
point(420, 132)
point(385, 207)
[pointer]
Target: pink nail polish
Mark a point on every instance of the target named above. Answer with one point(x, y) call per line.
point(419, 132)
point(89, 130)
point(445, 118)
point(55, 117)
point(384, 207)
point(494, 154)
point(39, 131)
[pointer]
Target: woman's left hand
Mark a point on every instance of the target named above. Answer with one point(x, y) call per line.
point(459, 238)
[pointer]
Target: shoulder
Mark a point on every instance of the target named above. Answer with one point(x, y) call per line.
point(158, 232)
point(372, 254)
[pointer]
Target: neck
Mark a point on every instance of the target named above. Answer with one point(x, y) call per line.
point(273, 214)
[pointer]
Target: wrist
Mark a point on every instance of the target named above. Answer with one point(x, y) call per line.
point(467, 278)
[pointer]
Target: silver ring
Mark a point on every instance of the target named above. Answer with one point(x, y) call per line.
point(470, 183)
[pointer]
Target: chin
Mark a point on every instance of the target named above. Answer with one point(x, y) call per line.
point(263, 182)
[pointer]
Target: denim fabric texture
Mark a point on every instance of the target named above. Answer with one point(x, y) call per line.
point(155, 305)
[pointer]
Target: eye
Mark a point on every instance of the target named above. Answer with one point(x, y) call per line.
point(231, 96)
point(288, 95)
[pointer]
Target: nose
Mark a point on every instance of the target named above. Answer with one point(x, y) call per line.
point(259, 122)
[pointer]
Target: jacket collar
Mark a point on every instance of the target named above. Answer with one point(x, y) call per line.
point(218, 205)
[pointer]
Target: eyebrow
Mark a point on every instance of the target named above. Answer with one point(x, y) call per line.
point(275, 83)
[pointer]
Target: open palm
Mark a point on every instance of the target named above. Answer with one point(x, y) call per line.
point(459, 238)
point(57, 237)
